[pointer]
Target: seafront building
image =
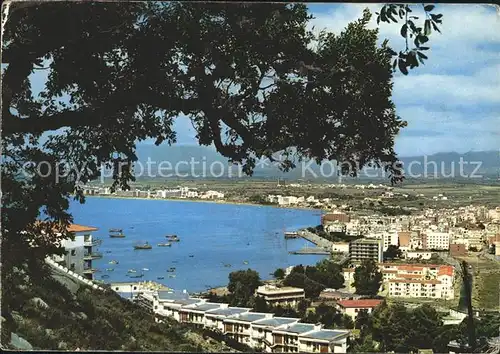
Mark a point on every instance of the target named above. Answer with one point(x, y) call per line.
point(283, 296)
point(364, 249)
point(258, 330)
point(80, 251)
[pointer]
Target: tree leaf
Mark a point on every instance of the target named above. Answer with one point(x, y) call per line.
point(428, 8)
point(423, 39)
point(402, 67)
point(422, 55)
point(404, 30)
point(394, 64)
point(435, 27)
point(423, 48)
point(427, 27)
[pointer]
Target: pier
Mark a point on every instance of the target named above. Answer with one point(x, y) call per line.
point(291, 234)
point(311, 250)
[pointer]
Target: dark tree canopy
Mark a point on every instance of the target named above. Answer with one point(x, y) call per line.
point(251, 78)
point(367, 278)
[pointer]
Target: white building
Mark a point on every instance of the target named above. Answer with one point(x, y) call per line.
point(353, 307)
point(262, 331)
point(437, 240)
point(80, 252)
point(284, 296)
point(418, 254)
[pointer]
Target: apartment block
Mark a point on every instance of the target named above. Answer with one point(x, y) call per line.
point(262, 331)
point(284, 296)
point(363, 249)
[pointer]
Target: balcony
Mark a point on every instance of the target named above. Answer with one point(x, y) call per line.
point(92, 242)
point(93, 255)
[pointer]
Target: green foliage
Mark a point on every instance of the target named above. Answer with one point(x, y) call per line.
point(412, 55)
point(279, 273)
point(404, 330)
point(367, 278)
point(392, 253)
point(242, 285)
point(128, 69)
point(89, 320)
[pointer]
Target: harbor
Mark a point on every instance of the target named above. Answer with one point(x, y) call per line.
point(191, 249)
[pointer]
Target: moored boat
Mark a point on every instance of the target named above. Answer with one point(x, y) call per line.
point(131, 271)
point(160, 278)
point(145, 269)
point(171, 270)
point(113, 262)
point(173, 238)
point(104, 276)
point(137, 276)
point(115, 230)
point(117, 235)
point(168, 244)
point(110, 269)
point(143, 246)
point(171, 276)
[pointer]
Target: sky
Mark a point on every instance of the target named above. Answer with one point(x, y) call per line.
point(453, 102)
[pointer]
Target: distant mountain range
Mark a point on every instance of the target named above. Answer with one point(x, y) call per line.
point(199, 161)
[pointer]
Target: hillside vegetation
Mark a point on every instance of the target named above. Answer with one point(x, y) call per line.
point(52, 312)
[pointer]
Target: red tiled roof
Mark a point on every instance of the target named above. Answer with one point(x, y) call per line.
point(410, 276)
point(421, 281)
point(80, 228)
point(363, 303)
point(446, 270)
point(75, 227)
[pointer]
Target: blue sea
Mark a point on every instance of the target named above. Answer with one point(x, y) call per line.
point(212, 236)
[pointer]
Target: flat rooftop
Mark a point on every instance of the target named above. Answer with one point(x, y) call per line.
point(207, 306)
point(249, 317)
point(275, 290)
point(229, 311)
point(326, 334)
point(298, 328)
point(275, 321)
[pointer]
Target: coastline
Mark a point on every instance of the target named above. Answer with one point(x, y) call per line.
point(192, 200)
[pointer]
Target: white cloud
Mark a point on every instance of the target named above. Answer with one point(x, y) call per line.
point(461, 76)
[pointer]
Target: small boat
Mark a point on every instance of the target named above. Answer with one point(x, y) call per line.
point(104, 276)
point(173, 238)
point(137, 276)
point(115, 230)
point(131, 271)
point(144, 246)
point(171, 270)
point(120, 235)
point(160, 278)
point(145, 269)
point(245, 262)
point(108, 251)
point(168, 244)
point(171, 276)
point(110, 269)
point(113, 262)
point(191, 255)
point(227, 265)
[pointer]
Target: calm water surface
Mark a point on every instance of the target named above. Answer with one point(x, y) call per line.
point(212, 236)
